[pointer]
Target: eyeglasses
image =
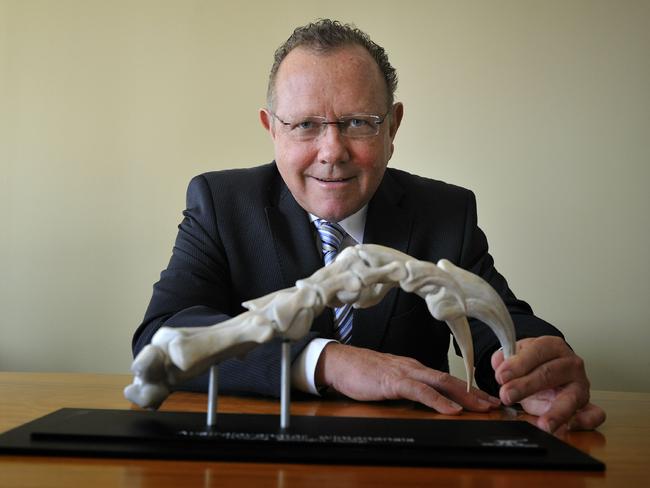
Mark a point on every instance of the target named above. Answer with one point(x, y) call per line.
point(355, 126)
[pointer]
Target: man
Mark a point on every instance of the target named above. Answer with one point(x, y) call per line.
point(246, 233)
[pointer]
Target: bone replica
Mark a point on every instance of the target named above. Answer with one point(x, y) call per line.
point(361, 275)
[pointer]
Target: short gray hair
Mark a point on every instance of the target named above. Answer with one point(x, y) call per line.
point(324, 36)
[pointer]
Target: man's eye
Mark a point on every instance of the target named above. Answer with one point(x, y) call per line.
point(356, 123)
point(305, 125)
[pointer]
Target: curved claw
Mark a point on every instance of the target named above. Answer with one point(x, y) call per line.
point(460, 329)
point(484, 303)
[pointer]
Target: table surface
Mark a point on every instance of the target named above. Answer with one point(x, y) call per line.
point(623, 443)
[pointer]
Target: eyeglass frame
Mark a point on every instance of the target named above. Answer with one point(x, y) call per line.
point(379, 119)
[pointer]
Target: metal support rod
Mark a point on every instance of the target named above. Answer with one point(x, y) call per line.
point(285, 385)
point(213, 392)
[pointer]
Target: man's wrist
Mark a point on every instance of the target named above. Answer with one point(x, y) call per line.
point(304, 368)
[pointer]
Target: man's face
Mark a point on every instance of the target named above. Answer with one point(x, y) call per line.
point(331, 176)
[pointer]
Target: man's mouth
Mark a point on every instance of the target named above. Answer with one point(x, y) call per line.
point(331, 180)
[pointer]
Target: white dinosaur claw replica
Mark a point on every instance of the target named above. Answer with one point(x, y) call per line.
point(361, 275)
point(485, 304)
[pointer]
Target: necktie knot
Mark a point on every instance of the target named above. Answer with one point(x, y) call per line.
point(331, 236)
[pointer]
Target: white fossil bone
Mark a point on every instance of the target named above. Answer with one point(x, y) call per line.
point(361, 275)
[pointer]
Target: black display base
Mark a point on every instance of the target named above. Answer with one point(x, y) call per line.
point(332, 440)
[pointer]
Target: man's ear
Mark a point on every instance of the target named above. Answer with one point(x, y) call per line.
point(267, 121)
point(396, 119)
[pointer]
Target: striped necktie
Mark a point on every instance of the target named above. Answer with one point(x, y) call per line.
point(331, 236)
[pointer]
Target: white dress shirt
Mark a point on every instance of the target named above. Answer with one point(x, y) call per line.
point(303, 369)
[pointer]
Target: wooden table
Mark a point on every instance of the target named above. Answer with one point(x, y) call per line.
point(623, 443)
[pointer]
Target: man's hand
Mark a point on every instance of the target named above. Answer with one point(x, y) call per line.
point(549, 380)
point(363, 374)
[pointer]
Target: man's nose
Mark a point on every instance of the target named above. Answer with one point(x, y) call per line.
point(333, 146)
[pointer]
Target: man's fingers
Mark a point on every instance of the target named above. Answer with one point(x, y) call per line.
point(549, 380)
point(549, 375)
point(568, 401)
point(530, 354)
point(590, 417)
point(497, 359)
point(419, 392)
point(456, 390)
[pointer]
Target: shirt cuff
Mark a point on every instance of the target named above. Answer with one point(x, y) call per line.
point(303, 369)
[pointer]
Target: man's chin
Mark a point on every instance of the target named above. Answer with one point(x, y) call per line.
point(334, 213)
point(332, 206)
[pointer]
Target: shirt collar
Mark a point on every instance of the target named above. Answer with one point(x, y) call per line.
point(353, 225)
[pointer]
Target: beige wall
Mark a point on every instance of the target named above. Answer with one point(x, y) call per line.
point(107, 109)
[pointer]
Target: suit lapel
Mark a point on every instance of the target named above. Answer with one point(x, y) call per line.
point(295, 247)
point(388, 224)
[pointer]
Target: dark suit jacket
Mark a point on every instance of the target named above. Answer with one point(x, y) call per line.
point(244, 235)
